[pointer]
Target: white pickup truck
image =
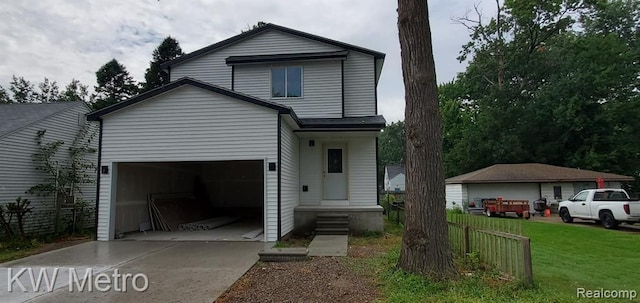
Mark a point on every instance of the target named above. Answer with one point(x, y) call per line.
point(607, 206)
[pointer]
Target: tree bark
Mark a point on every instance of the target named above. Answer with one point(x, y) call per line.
point(425, 244)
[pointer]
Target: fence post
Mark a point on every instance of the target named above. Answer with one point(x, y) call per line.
point(528, 270)
point(465, 235)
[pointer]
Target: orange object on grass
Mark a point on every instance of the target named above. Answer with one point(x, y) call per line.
point(547, 212)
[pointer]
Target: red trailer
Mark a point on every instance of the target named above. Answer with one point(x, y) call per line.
point(499, 206)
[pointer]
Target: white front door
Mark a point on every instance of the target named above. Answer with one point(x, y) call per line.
point(335, 172)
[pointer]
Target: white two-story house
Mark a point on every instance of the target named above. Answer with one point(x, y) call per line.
point(273, 125)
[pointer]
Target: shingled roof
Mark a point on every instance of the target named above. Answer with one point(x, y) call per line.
point(533, 173)
point(394, 170)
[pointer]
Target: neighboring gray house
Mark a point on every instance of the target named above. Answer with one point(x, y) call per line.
point(19, 125)
point(273, 123)
point(526, 181)
point(394, 176)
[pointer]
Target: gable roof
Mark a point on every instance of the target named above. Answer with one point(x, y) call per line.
point(357, 123)
point(264, 28)
point(533, 173)
point(96, 115)
point(394, 170)
point(16, 116)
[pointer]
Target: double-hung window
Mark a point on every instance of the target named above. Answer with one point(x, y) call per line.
point(286, 82)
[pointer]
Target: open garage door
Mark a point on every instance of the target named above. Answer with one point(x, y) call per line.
point(190, 201)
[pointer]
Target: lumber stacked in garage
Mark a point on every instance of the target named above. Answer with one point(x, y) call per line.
point(168, 211)
point(208, 224)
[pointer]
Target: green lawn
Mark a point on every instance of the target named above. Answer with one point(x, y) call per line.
point(564, 257)
point(567, 256)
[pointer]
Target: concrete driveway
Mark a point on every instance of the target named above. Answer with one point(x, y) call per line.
point(174, 272)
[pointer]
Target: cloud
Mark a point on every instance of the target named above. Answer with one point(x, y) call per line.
point(63, 40)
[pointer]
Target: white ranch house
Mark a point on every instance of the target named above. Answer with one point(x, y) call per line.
point(274, 124)
point(394, 178)
point(19, 125)
point(525, 181)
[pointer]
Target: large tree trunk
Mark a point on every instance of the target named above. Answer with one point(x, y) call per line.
point(425, 244)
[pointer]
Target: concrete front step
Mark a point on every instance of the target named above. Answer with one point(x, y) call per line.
point(332, 231)
point(284, 254)
point(332, 217)
point(323, 223)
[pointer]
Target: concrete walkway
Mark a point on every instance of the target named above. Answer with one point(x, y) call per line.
point(328, 246)
point(176, 271)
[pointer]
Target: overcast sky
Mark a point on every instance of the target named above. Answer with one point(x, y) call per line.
point(62, 40)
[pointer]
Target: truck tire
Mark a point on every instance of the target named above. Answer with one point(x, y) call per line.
point(489, 213)
point(608, 221)
point(565, 215)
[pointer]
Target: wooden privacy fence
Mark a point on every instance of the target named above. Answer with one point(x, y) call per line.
point(498, 243)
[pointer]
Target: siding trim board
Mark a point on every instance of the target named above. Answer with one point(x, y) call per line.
point(279, 168)
point(267, 27)
point(233, 77)
point(375, 87)
point(235, 60)
point(342, 84)
point(99, 172)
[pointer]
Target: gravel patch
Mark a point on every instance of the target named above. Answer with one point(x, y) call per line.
point(320, 279)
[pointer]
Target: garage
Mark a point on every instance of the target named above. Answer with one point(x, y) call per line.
point(206, 200)
point(193, 152)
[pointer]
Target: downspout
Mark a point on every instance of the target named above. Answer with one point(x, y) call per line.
point(377, 175)
point(279, 169)
point(98, 177)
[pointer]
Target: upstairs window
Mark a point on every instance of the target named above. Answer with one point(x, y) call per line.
point(286, 82)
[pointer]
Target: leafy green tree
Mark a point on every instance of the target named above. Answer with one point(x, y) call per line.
point(252, 27)
point(48, 91)
point(4, 96)
point(75, 91)
point(155, 76)
point(391, 147)
point(114, 85)
point(22, 90)
point(552, 82)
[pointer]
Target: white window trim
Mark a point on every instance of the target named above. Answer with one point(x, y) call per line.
point(285, 82)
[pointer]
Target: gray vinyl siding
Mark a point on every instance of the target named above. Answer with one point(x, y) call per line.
point(322, 87)
point(290, 177)
point(359, 85)
point(212, 67)
point(361, 163)
point(322, 84)
point(18, 173)
point(362, 171)
point(189, 124)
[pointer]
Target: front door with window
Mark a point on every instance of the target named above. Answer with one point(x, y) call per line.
point(335, 172)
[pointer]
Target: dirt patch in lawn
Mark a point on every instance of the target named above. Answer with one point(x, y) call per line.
point(321, 279)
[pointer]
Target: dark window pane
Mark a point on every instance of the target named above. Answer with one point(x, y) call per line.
point(294, 81)
point(334, 159)
point(277, 82)
point(557, 192)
